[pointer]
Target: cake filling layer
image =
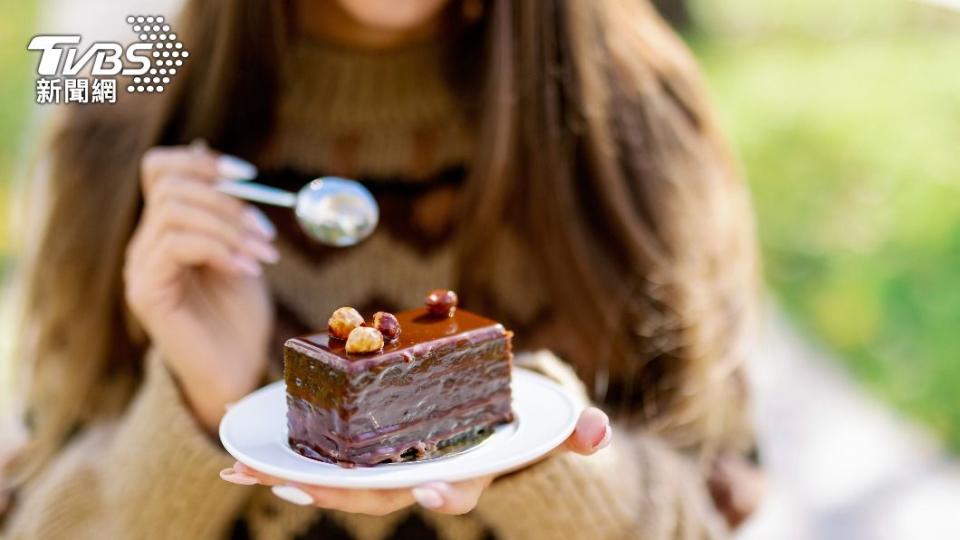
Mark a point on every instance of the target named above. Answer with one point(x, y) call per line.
point(309, 435)
point(402, 392)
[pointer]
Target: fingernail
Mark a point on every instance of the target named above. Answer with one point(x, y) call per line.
point(605, 440)
point(256, 220)
point(235, 168)
point(247, 265)
point(292, 494)
point(235, 477)
point(427, 497)
point(262, 250)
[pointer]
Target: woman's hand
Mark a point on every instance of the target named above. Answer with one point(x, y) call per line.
point(593, 432)
point(193, 276)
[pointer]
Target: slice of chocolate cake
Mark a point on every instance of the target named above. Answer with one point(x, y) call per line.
point(444, 380)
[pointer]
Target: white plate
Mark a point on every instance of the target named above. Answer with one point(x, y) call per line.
point(254, 431)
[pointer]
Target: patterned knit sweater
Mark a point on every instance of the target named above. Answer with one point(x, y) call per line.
point(391, 120)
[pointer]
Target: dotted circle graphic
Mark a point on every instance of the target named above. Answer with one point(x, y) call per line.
point(167, 51)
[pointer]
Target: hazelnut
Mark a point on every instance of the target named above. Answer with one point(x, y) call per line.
point(343, 321)
point(441, 302)
point(387, 324)
point(364, 339)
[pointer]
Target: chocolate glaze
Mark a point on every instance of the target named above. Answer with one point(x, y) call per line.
point(419, 333)
point(444, 379)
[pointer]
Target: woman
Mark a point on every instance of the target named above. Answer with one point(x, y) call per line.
point(553, 161)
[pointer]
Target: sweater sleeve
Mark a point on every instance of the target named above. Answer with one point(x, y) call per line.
point(638, 487)
point(150, 474)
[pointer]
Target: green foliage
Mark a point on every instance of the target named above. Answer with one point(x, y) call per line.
point(16, 26)
point(849, 130)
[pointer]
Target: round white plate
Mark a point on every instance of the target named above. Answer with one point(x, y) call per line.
point(254, 431)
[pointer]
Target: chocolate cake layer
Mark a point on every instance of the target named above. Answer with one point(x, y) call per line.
point(443, 380)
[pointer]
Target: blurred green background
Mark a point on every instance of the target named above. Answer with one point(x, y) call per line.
point(846, 116)
point(17, 23)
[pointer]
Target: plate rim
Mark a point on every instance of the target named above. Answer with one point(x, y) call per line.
point(516, 461)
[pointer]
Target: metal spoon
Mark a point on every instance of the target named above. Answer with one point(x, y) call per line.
point(333, 211)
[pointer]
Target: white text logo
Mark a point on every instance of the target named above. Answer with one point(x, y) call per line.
point(149, 63)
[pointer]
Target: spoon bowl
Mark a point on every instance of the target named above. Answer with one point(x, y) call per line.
point(333, 211)
point(336, 211)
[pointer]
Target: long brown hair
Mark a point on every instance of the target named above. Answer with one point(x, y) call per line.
point(595, 139)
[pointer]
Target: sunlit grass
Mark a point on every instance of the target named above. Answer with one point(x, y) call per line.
point(849, 135)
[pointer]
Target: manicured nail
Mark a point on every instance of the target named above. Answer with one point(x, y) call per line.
point(262, 250)
point(292, 494)
point(241, 468)
point(234, 168)
point(257, 221)
point(235, 477)
point(428, 498)
point(247, 265)
point(605, 440)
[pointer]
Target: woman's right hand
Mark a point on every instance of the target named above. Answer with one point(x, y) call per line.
point(193, 276)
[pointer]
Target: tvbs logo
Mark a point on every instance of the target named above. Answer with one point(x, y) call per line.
point(150, 63)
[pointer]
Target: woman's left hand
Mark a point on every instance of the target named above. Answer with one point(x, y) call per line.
point(593, 432)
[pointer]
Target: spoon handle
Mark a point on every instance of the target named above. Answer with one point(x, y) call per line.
point(252, 191)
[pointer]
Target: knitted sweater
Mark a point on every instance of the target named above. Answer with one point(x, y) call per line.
point(391, 120)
